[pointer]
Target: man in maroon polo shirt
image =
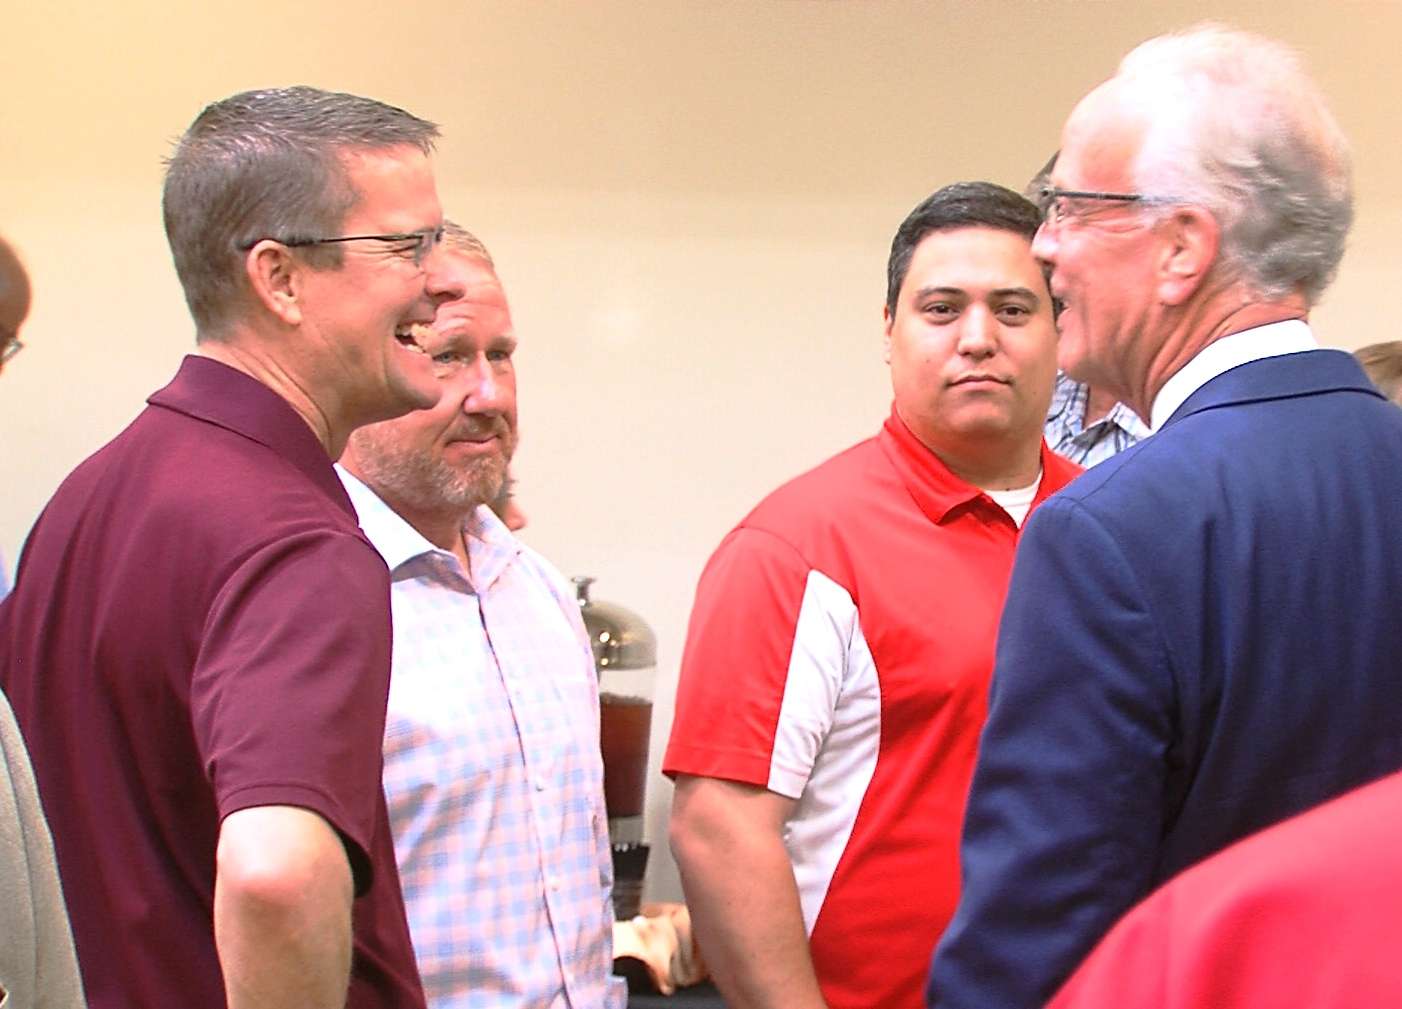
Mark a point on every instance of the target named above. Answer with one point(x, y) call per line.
point(197, 645)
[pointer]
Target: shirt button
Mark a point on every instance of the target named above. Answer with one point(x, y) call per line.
point(554, 884)
point(540, 784)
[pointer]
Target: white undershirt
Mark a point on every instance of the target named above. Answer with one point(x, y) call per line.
point(1017, 501)
point(1289, 337)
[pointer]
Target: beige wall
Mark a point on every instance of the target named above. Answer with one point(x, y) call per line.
point(690, 203)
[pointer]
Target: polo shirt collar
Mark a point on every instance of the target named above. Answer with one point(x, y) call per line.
point(211, 391)
point(936, 490)
point(490, 545)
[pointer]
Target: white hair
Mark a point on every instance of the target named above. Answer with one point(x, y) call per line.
point(1236, 126)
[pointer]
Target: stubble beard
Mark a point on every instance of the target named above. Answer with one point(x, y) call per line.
point(422, 482)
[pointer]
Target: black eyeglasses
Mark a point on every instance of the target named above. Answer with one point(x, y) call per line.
point(11, 348)
point(1052, 201)
point(415, 245)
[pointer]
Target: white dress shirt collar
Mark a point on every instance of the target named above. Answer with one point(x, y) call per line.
point(398, 542)
point(1289, 337)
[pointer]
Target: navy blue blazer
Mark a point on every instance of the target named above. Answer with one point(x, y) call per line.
point(1203, 636)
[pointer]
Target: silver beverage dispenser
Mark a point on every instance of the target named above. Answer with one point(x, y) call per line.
point(625, 656)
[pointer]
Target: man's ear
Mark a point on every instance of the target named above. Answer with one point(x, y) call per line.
point(1192, 237)
point(887, 320)
point(275, 278)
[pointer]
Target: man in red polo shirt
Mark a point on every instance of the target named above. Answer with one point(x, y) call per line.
point(197, 645)
point(834, 679)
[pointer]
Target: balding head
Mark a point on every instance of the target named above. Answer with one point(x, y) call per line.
point(14, 295)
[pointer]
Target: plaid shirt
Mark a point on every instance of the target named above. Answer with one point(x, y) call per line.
point(1070, 439)
point(493, 773)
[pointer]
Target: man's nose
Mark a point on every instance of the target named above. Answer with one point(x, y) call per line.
point(1044, 244)
point(484, 387)
point(978, 332)
point(440, 282)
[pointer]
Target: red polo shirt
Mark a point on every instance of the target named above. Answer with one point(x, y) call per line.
point(1302, 914)
point(199, 626)
point(839, 654)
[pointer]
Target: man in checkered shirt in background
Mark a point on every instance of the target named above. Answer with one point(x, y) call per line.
point(492, 767)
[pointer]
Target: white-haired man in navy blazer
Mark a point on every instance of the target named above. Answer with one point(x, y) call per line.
point(1202, 633)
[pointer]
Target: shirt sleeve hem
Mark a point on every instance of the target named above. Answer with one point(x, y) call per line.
point(747, 769)
point(313, 799)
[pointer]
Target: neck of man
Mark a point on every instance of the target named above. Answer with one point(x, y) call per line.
point(445, 530)
point(1200, 324)
point(252, 357)
point(1001, 464)
point(443, 527)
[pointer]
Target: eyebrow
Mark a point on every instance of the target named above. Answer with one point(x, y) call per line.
point(457, 341)
point(1001, 292)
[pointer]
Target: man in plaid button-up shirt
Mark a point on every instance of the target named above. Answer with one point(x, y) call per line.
point(492, 766)
point(1086, 431)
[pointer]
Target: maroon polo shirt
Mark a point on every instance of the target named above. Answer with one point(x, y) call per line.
point(199, 626)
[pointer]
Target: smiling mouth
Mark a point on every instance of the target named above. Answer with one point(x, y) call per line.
point(404, 336)
point(484, 434)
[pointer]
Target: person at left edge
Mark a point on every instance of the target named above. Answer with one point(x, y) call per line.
point(835, 671)
point(38, 968)
point(197, 645)
point(14, 309)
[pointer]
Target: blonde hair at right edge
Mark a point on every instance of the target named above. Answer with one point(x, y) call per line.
point(1383, 363)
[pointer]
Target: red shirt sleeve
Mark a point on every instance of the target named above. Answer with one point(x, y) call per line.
point(736, 660)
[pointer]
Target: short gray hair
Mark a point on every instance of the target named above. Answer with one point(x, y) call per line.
point(459, 239)
point(267, 164)
point(1235, 125)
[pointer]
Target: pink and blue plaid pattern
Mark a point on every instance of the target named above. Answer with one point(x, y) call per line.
point(493, 773)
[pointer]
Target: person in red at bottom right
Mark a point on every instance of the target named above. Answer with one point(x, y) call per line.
point(1304, 913)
